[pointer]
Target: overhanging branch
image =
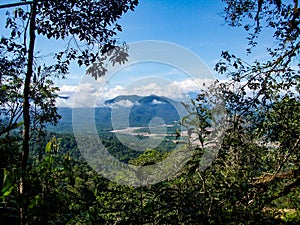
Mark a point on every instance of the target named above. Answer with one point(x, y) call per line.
point(15, 4)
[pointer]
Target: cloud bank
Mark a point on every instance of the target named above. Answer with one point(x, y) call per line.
point(177, 90)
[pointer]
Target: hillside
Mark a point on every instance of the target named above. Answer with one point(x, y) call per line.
point(127, 110)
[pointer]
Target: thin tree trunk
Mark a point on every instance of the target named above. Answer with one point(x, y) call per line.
point(26, 104)
point(26, 91)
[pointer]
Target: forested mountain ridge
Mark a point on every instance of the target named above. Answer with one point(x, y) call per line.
point(251, 177)
point(142, 110)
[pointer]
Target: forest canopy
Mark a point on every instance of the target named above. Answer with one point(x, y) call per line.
point(254, 178)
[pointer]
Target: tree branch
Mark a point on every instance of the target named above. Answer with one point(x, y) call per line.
point(15, 4)
point(287, 189)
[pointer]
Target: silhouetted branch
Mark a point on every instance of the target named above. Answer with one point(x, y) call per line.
point(15, 4)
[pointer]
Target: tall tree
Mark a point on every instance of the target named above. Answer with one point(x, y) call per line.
point(92, 23)
point(263, 97)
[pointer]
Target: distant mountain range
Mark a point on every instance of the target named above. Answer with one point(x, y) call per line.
point(128, 110)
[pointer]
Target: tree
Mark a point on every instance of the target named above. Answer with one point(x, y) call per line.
point(94, 23)
point(255, 176)
point(263, 97)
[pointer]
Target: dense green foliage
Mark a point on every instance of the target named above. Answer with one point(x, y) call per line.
point(254, 179)
point(239, 187)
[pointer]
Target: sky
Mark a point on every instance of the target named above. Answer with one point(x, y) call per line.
point(195, 26)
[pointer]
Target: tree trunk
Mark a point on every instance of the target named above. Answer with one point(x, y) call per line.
point(26, 91)
point(26, 104)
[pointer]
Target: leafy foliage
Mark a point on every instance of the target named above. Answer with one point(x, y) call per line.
point(254, 178)
point(28, 92)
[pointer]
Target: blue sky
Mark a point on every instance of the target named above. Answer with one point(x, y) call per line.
point(194, 24)
point(197, 25)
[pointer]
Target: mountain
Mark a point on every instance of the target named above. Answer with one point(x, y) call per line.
point(127, 110)
point(132, 98)
point(141, 110)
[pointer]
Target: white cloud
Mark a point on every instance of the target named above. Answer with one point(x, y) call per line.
point(156, 102)
point(122, 103)
point(66, 89)
point(88, 95)
point(193, 84)
point(83, 92)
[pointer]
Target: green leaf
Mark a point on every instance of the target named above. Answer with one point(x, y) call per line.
point(48, 147)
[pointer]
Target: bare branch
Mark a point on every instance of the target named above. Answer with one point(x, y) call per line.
point(15, 4)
